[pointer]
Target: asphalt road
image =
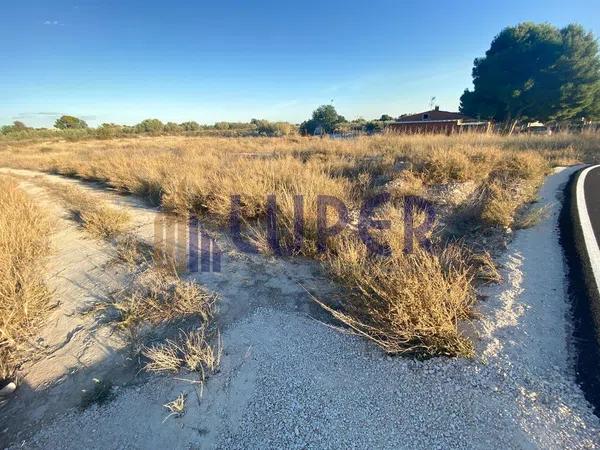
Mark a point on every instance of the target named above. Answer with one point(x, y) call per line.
point(591, 188)
point(580, 234)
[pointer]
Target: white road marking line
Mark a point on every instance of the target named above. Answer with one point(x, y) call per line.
point(586, 225)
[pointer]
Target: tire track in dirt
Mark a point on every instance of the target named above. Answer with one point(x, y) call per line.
point(71, 348)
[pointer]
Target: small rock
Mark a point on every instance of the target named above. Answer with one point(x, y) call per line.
point(8, 390)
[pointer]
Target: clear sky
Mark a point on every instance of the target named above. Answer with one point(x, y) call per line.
point(123, 61)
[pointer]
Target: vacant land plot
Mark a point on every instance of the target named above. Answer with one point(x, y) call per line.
point(480, 188)
point(452, 204)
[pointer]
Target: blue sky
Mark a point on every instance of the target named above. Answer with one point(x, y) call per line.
point(123, 61)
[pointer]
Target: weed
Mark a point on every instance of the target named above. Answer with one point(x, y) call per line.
point(192, 351)
point(532, 216)
point(163, 358)
point(176, 407)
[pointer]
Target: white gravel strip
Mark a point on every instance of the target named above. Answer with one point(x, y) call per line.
point(290, 382)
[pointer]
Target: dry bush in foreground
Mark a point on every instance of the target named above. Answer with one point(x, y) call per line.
point(158, 295)
point(513, 182)
point(24, 297)
point(405, 303)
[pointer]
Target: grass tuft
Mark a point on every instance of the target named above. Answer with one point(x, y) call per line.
point(96, 217)
point(192, 351)
point(406, 303)
point(176, 407)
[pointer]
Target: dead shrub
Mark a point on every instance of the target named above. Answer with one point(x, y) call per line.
point(407, 184)
point(532, 216)
point(513, 181)
point(158, 296)
point(163, 358)
point(442, 166)
point(405, 303)
point(192, 351)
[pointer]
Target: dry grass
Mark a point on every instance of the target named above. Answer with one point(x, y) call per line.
point(513, 181)
point(163, 358)
point(192, 351)
point(407, 303)
point(133, 251)
point(96, 217)
point(532, 216)
point(24, 297)
point(198, 354)
point(176, 407)
point(157, 296)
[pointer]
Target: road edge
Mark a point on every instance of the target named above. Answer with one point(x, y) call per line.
point(583, 281)
point(589, 237)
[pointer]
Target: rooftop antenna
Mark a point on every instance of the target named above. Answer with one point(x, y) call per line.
point(432, 102)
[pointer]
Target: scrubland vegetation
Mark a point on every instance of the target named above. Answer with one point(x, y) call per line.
point(24, 298)
point(480, 186)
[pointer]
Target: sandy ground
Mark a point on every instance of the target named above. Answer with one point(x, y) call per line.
point(288, 380)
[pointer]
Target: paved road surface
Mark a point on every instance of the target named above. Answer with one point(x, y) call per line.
point(592, 199)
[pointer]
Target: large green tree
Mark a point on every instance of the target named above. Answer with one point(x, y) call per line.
point(536, 72)
point(69, 122)
point(325, 117)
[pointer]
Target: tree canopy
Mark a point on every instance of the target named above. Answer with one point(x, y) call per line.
point(536, 72)
point(150, 126)
point(190, 126)
point(69, 122)
point(326, 117)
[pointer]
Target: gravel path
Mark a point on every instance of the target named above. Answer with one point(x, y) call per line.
point(288, 381)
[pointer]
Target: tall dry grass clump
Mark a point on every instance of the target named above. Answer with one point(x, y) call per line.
point(191, 351)
point(408, 301)
point(24, 297)
point(157, 295)
point(513, 181)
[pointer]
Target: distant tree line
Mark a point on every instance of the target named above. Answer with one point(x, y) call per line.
point(72, 127)
point(324, 120)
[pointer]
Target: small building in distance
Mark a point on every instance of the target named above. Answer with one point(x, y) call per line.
point(438, 122)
